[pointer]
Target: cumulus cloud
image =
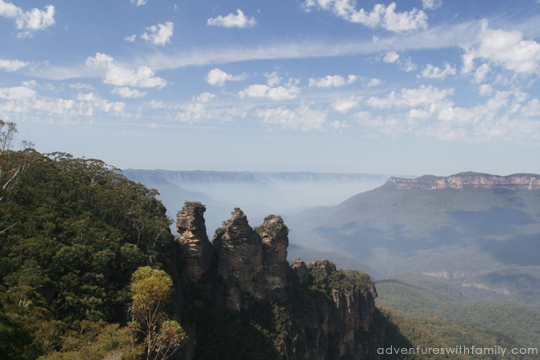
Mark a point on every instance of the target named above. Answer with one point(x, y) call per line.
point(91, 101)
point(273, 93)
point(9, 10)
point(218, 77)
point(332, 81)
point(12, 65)
point(204, 97)
point(160, 34)
point(424, 95)
point(485, 90)
point(301, 118)
point(272, 78)
point(503, 48)
point(345, 104)
point(505, 115)
point(126, 92)
point(431, 4)
point(81, 86)
point(29, 21)
point(130, 38)
point(239, 20)
point(138, 2)
point(391, 57)
point(119, 76)
point(433, 72)
point(374, 82)
point(381, 16)
point(198, 110)
point(17, 93)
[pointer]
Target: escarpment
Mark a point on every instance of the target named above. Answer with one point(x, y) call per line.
point(469, 180)
point(241, 293)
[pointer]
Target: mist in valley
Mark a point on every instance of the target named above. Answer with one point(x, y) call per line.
point(260, 199)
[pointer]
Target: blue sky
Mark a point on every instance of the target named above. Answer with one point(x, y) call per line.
point(406, 87)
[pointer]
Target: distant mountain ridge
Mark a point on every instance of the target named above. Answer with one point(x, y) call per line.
point(469, 180)
point(247, 176)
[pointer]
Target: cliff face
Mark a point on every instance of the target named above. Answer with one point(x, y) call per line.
point(251, 274)
point(193, 240)
point(469, 180)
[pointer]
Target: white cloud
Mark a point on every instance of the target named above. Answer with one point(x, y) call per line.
point(218, 77)
point(273, 79)
point(431, 4)
point(408, 65)
point(391, 57)
point(160, 34)
point(138, 2)
point(81, 86)
point(424, 95)
point(504, 48)
point(204, 97)
point(29, 83)
point(485, 90)
point(433, 72)
point(198, 110)
point(31, 20)
point(92, 101)
point(345, 104)
point(481, 72)
point(119, 76)
point(9, 10)
point(381, 15)
point(275, 93)
point(231, 20)
point(17, 93)
point(130, 38)
point(374, 82)
point(302, 118)
point(12, 65)
point(292, 82)
point(126, 92)
point(332, 81)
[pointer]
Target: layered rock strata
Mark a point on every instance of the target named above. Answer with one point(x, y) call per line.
point(469, 180)
point(251, 265)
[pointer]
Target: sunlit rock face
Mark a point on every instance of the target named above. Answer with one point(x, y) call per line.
point(469, 180)
point(196, 248)
point(275, 241)
point(240, 259)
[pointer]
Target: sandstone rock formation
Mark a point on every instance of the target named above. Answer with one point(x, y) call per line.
point(250, 268)
point(240, 259)
point(275, 240)
point(193, 240)
point(300, 269)
point(469, 180)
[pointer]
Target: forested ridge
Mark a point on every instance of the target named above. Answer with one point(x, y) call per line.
point(72, 233)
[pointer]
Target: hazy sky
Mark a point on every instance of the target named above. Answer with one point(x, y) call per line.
point(409, 87)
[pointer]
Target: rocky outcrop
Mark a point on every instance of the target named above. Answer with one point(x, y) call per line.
point(250, 269)
point(193, 240)
point(353, 318)
point(275, 241)
point(240, 260)
point(300, 269)
point(469, 180)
